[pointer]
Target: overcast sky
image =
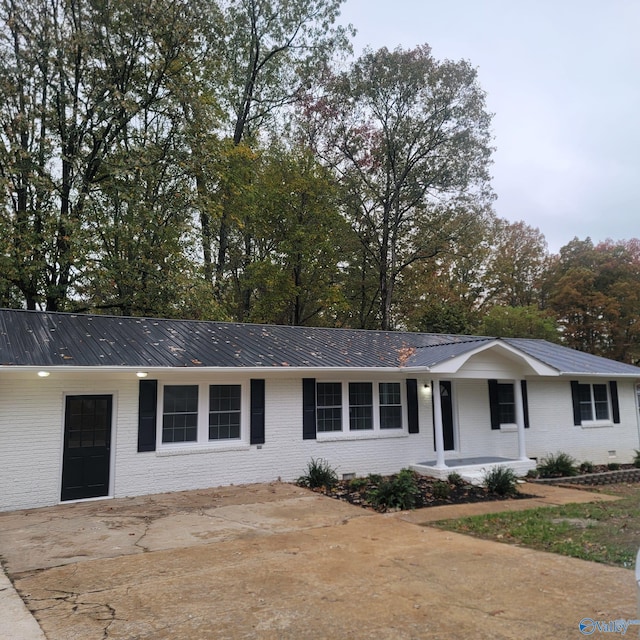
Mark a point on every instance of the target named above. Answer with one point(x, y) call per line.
point(563, 80)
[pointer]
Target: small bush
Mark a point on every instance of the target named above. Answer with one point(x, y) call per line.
point(375, 478)
point(613, 466)
point(455, 479)
point(587, 467)
point(560, 465)
point(319, 474)
point(502, 481)
point(533, 473)
point(358, 483)
point(636, 459)
point(441, 490)
point(397, 492)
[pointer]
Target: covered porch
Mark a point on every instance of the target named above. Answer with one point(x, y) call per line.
point(472, 469)
point(472, 465)
point(479, 412)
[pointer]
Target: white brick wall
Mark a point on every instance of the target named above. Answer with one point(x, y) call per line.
point(552, 428)
point(551, 424)
point(31, 430)
point(32, 423)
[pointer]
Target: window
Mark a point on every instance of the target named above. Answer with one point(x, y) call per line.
point(209, 415)
point(329, 406)
point(180, 413)
point(354, 410)
point(360, 406)
point(502, 404)
point(594, 402)
point(506, 403)
point(390, 405)
point(224, 411)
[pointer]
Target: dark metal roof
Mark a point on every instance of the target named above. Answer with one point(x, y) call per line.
point(430, 355)
point(568, 361)
point(44, 339)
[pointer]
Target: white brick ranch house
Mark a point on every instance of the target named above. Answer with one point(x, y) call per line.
point(99, 406)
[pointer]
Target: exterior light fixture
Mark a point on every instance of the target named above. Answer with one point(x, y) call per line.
point(142, 374)
point(44, 374)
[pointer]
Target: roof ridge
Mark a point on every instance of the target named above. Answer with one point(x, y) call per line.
point(465, 341)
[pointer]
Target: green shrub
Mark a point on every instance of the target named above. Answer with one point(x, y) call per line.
point(559, 465)
point(396, 492)
point(455, 479)
point(319, 474)
point(441, 490)
point(587, 467)
point(613, 466)
point(636, 459)
point(502, 481)
point(533, 473)
point(358, 483)
point(375, 478)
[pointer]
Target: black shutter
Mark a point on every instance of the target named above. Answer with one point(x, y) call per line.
point(308, 408)
point(412, 405)
point(257, 411)
point(147, 409)
point(494, 404)
point(615, 406)
point(575, 397)
point(525, 403)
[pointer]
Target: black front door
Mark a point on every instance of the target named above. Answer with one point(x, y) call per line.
point(446, 405)
point(87, 444)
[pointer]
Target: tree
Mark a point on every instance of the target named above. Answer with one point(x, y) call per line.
point(140, 229)
point(595, 293)
point(272, 50)
point(519, 259)
point(446, 294)
point(73, 77)
point(294, 277)
point(409, 137)
point(519, 322)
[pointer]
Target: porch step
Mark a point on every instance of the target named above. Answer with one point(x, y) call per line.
point(473, 473)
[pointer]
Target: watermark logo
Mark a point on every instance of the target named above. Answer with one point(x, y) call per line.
point(588, 626)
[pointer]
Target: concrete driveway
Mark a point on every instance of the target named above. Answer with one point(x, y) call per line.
point(279, 562)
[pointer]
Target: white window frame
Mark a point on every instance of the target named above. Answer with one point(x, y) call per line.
point(596, 422)
point(364, 434)
point(202, 443)
point(401, 405)
point(508, 426)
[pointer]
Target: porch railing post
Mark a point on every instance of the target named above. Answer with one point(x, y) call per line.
point(437, 424)
point(522, 445)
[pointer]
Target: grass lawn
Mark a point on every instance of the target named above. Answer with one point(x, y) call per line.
point(607, 532)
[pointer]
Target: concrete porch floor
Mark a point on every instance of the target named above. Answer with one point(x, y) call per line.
point(472, 469)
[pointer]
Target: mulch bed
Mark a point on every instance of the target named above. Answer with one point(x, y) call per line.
point(426, 496)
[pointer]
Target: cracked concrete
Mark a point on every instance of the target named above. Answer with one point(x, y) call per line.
point(278, 562)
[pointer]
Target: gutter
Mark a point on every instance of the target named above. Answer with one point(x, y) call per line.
point(193, 369)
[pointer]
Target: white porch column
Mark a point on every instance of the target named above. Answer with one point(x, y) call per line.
point(517, 393)
point(437, 424)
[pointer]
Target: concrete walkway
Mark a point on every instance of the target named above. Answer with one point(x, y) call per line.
point(16, 622)
point(278, 562)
